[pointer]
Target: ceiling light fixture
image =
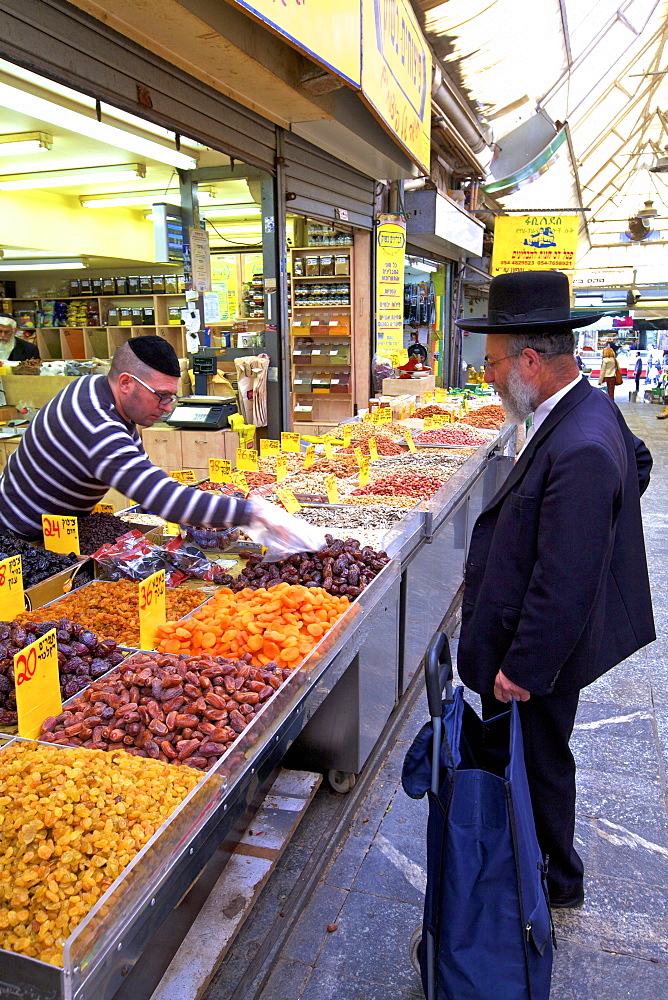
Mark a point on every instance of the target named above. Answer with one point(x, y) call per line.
point(648, 212)
point(137, 199)
point(57, 264)
point(23, 143)
point(72, 176)
point(37, 107)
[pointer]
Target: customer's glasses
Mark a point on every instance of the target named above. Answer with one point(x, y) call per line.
point(164, 398)
point(492, 364)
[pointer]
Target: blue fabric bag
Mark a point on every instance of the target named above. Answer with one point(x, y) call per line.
point(486, 900)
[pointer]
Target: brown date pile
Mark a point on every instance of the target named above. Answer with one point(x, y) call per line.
point(81, 658)
point(185, 710)
point(409, 485)
point(342, 567)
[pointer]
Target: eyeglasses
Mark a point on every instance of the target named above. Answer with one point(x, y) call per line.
point(492, 364)
point(164, 398)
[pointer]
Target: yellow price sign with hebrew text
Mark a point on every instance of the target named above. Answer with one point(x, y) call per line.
point(152, 608)
point(290, 441)
point(332, 489)
point(61, 534)
point(37, 684)
point(12, 600)
point(281, 468)
point(269, 446)
point(240, 482)
point(408, 437)
point(364, 472)
point(103, 508)
point(246, 459)
point(373, 449)
point(309, 457)
point(220, 470)
point(289, 501)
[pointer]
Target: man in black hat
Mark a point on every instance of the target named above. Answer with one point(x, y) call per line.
point(85, 441)
point(544, 615)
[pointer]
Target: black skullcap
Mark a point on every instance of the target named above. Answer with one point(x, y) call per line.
point(157, 354)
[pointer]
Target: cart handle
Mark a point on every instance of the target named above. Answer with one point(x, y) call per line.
point(438, 673)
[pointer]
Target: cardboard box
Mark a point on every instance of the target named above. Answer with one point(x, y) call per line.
point(34, 390)
point(417, 386)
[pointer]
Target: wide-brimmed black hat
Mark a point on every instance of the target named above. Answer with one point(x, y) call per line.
point(528, 302)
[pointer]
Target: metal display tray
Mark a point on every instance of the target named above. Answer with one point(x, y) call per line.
point(111, 938)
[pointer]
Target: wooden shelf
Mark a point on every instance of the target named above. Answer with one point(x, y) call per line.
point(340, 308)
point(341, 247)
point(341, 278)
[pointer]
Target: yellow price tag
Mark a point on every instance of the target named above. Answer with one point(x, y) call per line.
point(281, 468)
point(373, 449)
point(359, 456)
point(384, 415)
point(103, 508)
point(429, 424)
point(184, 476)
point(220, 470)
point(290, 441)
point(364, 472)
point(12, 600)
point(289, 501)
point(37, 684)
point(61, 534)
point(368, 417)
point(247, 459)
point(347, 435)
point(428, 397)
point(408, 437)
point(240, 481)
point(441, 419)
point(269, 447)
point(309, 457)
point(329, 450)
point(411, 408)
point(332, 489)
point(171, 528)
point(460, 413)
point(152, 610)
point(440, 396)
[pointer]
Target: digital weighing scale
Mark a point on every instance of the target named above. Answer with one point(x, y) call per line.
point(208, 413)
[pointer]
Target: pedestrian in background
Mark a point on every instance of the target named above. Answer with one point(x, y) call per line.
point(609, 370)
point(637, 370)
point(542, 614)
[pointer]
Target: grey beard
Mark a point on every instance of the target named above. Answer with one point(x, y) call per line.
point(519, 399)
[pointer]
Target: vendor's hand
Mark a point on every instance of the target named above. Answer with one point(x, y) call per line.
point(505, 690)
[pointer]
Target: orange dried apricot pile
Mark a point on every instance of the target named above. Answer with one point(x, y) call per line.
point(281, 623)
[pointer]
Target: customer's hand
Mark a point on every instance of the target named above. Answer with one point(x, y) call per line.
point(505, 690)
point(263, 514)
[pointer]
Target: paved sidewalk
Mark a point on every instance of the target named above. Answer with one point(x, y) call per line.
point(616, 946)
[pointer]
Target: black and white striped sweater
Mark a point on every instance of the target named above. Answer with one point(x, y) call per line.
point(76, 448)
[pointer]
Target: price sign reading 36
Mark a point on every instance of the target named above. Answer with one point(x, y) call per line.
point(152, 610)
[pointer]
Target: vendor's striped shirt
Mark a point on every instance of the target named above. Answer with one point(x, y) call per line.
point(76, 448)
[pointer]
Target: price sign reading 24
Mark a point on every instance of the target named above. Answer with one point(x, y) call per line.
point(61, 534)
point(152, 610)
point(37, 684)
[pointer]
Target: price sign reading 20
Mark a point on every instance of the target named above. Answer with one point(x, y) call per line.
point(152, 611)
point(37, 684)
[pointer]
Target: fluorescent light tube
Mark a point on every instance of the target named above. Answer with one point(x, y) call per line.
point(71, 176)
point(55, 114)
point(40, 265)
point(23, 143)
point(136, 199)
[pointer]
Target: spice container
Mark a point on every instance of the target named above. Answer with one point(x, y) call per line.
point(171, 284)
point(158, 283)
point(327, 265)
point(113, 316)
point(298, 267)
point(146, 284)
point(121, 286)
point(148, 316)
point(174, 315)
point(312, 265)
point(125, 316)
point(108, 286)
point(96, 286)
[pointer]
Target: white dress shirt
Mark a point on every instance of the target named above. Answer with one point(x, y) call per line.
point(545, 408)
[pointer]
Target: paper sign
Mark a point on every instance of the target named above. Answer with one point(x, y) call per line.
point(281, 468)
point(240, 481)
point(171, 528)
point(373, 449)
point(440, 395)
point(429, 424)
point(37, 684)
point(384, 415)
point(359, 456)
point(152, 610)
point(347, 435)
point(329, 450)
point(220, 470)
point(428, 397)
point(368, 418)
point(309, 457)
point(290, 441)
point(411, 408)
point(409, 440)
point(61, 534)
point(269, 447)
point(364, 472)
point(332, 489)
point(184, 476)
point(103, 508)
point(246, 459)
point(12, 600)
point(289, 501)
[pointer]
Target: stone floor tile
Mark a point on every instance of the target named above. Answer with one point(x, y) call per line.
point(348, 861)
point(286, 981)
point(621, 798)
point(308, 937)
point(582, 973)
point(330, 985)
point(616, 740)
point(389, 870)
point(622, 850)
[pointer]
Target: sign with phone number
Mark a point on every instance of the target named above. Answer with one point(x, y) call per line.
point(37, 684)
point(152, 609)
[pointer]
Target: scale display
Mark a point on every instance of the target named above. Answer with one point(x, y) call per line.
point(190, 414)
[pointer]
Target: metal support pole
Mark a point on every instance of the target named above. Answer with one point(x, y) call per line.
point(273, 243)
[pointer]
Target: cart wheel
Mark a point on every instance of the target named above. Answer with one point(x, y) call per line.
point(341, 781)
point(414, 949)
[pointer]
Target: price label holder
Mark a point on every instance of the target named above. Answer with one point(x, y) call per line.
point(281, 468)
point(289, 501)
point(429, 424)
point(12, 600)
point(332, 489)
point(184, 476)
point(152, 610)
point(246, 460)
point(37, 684)
point(364, 472)
point(368, 418)
point(329, 449)
point(411, 408)
point(290, 441)
point(61, 534)
point(103, 508)
point(309, 457)
point(220, 470)
point(384, 415)
point(373, 449)
point(171, 528)
point(408, 437)
point(440, 396)
point(428, 397)
point(240, 482)
point(269, 447)
point(347, 435)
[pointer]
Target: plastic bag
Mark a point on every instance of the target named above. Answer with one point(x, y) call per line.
point(381, 368)
point(286, 536)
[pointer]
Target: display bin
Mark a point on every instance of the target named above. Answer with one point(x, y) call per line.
point(59, 585)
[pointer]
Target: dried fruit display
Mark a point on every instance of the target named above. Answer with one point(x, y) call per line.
point(282, 623)
point(430, 411)
point(252, 478)
point(72, 821)
point(178, 710)
point(81, 658)
point(110, 610)
point(450, 436)
point(99, 529)
point(350, 519)
point(342, 567)
point(376, 500)
point(37, 564)
point(385, 446)
point(406, 485)
point(342, 466)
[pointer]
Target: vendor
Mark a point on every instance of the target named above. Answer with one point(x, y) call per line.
point(85, 441)
point(13, 348)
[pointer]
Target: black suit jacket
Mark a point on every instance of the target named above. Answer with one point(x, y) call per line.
point(23, 350)
point(556, 586)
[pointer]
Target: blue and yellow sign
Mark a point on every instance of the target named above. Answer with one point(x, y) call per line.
point(396, 74)
point(535, 242)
